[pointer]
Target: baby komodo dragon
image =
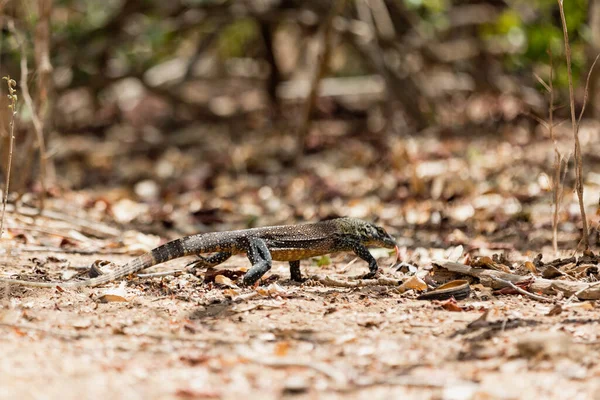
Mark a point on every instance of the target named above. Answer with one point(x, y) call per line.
point(262, 245)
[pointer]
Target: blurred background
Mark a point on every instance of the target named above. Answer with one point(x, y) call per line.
point(192, 115)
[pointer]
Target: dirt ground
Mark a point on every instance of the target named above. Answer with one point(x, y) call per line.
point(174, 337)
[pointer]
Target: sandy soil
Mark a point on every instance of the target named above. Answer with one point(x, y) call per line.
point(177, 338)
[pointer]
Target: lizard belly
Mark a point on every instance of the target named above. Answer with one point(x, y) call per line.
point(295, 254)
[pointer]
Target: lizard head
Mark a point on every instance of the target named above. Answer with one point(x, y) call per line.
point(370, 234)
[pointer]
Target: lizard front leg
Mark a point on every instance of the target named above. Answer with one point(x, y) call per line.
point(362, 251)
point(260, 257)
point(210, 261)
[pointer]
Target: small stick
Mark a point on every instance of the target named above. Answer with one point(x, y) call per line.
point(332, 282)
point(175, 272)
point(37, 123)
point(577, 293)
point(52, 332)
point(12, 94)
point(575, 125)
point(521, 291)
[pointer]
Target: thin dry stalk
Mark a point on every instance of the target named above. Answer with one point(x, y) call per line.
point(556, 181)
point(557, 157)
point(575, 124)
point(38, 123)
point(12, 95)
point(44, 86)
point(319, 72)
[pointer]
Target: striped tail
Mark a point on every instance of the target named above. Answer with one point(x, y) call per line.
point(168, 251)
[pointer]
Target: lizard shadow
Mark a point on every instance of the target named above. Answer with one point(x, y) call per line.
point(219, 310)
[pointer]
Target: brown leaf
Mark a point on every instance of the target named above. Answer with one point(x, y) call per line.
point(530, 267)
point(282, 348)
point(451, 305)
point(212, 273)
point(225, 281)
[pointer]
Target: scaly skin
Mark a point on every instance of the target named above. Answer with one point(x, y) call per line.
point(262, 245)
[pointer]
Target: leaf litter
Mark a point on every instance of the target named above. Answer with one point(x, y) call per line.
point(490, 225)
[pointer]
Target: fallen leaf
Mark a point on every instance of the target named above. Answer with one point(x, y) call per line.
point(557, 309)
point(272, 290)
point(414, 283)
point(110, 298)
point(114, 295)
point(451, 305)
point(454, 253)
point(282, 348)
point(225, 281)
point(530, 267)
point(212, 273)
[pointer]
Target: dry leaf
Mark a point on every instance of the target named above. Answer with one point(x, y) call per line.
point(454, 253)
point(225, 281)
point(414, 283)
point(114, 295)
point(451, 305)
point(530, 267)
point(231, 292)
point(282, 348)
point(110, 298)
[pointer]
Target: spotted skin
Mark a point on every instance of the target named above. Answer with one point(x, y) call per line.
point(210, 261)
point(261, 245)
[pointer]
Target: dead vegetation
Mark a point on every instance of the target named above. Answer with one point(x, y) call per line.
point(495, 291)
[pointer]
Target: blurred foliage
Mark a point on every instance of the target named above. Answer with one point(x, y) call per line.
point(526, 39)
point(534, 37)
point(526, 29)
point(96, 43)
point(236, 38)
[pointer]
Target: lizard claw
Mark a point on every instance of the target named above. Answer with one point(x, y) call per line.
point(370, 275)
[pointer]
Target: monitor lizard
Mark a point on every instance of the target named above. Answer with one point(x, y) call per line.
point(261, 245)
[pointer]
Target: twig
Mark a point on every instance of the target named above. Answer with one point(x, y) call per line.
point(327, 370)
point(37, 122)
point(175, 272)
point(575, 124)
point(332, 282)
point(97, 229)
point(557, 158)
point(319, 72)
point(580, 291)
point(522, 291)
point(540, 285)
point(345, 267)
point(51, 332)
point(12, 94)
point(51, 249)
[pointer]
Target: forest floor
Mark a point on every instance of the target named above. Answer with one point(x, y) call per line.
point(442, 196)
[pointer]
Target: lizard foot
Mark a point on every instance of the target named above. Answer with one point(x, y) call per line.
point(370, 275)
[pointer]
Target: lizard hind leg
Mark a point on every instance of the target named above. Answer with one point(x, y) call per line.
point(260, 257)
point(295, 272)
point(211, 261)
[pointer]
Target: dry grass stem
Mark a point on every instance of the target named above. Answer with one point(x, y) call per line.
point(38, 123)
point(575, 126)
point(12, 95)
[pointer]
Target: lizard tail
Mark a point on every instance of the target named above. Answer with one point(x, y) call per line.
point(168, 251)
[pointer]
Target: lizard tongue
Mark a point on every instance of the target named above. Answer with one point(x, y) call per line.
point(397, 260)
